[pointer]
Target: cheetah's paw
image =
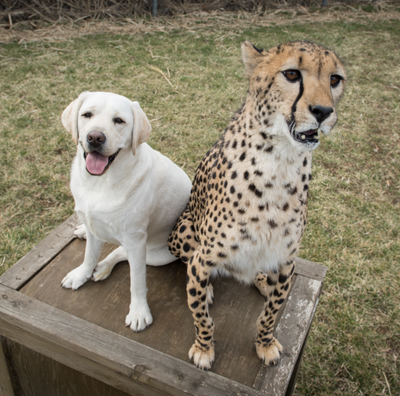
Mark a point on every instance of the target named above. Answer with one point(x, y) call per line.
point(270, 354)
point(203, 359)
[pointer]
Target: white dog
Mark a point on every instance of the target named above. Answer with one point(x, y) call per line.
point(125, 193)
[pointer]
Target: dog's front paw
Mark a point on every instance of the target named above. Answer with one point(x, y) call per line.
point(269, 354)
point(76, 278)
point(80, 231)
point(139, 317)
point(203, 358)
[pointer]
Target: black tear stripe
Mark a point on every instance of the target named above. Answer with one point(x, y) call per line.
point(294, 105)
point(319, 68)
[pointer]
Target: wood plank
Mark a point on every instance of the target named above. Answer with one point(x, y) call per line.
point(38, 375)
point(6, 388)
point(29, 265)
point(292, 331)
point(235, 310)
point(125, 364)
point(293, 378)
point(310, 269)
point(106, 303)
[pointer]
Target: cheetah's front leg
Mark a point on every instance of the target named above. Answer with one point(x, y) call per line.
point(274, 287)
point(202, 351)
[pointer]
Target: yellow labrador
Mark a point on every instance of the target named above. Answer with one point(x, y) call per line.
point(125, 193)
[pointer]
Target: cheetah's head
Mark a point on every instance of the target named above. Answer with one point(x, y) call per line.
point(299, 82)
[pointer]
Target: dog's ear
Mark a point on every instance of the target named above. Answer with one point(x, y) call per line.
point(70, 116)
point(141, 127)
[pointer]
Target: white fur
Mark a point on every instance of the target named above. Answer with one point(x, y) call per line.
point(134, 204)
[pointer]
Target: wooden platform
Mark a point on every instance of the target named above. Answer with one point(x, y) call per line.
point(56, 341)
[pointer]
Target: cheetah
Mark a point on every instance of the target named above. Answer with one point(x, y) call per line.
point(248, 205)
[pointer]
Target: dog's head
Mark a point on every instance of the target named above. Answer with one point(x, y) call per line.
point(104, 124)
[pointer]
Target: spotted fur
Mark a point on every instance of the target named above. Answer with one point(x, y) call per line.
point(248, 205)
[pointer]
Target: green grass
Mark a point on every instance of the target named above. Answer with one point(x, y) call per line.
point(353, 227)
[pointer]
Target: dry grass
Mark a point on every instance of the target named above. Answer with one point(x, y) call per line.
point(186, 73)
point(199, 20)
point(51, 11)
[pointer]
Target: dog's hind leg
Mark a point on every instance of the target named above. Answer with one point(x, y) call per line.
point(104, 268)
point(159, 256)
point(80, 231)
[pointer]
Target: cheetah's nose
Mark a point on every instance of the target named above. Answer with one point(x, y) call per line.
point(321, 113)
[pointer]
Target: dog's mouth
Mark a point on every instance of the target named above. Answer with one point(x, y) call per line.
point(310, 136)
point(97, 164)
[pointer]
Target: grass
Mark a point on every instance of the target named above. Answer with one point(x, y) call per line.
point(354, 219)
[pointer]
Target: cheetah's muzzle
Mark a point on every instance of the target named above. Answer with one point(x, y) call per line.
point(310, 136)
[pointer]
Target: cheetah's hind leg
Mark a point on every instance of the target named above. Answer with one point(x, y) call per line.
point(182, 241)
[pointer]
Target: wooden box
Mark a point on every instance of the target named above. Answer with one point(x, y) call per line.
point(56, 341)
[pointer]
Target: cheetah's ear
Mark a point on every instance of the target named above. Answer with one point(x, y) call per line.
point(251, 57)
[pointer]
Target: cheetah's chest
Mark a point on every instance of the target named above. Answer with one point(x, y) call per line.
point(265, 217)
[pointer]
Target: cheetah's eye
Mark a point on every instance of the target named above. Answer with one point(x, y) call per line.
point(335, 80)
point(292, 75)
point(119, 120)
point(87, 114)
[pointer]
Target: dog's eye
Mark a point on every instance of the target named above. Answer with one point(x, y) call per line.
point(292, 75)
point(87, 114)
point(119, 121)
point(335, 80)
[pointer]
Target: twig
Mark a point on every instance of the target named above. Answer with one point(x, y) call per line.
point(161, 72)
point(155, 119)
point(387, 383)
point(156, 56)
point(60, 49)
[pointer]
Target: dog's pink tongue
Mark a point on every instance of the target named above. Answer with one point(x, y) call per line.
point(96, 163)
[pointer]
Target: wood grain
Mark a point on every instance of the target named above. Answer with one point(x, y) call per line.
point(122, 363)
point(39, 375)
point(235, 310)
point(29, 265)
point(105, 304)
point(310, 269)
point(6, 388)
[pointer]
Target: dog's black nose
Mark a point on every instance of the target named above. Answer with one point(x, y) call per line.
point(96, 138)
point(321, 113)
